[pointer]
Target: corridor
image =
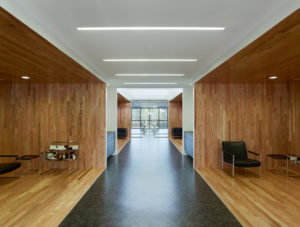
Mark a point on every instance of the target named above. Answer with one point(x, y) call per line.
point(150, 184)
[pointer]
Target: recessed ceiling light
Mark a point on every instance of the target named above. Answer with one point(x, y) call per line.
point(147, 83)
point(273, 77)
point(151, 28)
point(145, 74)
point(149, 60)
point(25, 77)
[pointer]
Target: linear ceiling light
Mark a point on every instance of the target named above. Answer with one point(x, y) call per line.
point(151, 28)
point(147, 83)
point(149, 60)
point(144, 74)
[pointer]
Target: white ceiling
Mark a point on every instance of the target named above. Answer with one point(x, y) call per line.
point(149, 93)
point(57, 21)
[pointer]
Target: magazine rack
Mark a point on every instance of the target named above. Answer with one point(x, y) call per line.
point(62, 151)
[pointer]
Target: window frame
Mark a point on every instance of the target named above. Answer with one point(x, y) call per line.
point(149, 119)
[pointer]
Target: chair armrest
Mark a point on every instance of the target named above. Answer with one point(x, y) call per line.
point(9, 156)
point(251, 152)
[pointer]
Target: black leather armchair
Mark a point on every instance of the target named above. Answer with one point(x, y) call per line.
point(122, 133)
point(177, 132)
point(236, 154)
point(9, 166)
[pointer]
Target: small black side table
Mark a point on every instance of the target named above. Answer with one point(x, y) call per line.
point(27, 159)
point(276, 157)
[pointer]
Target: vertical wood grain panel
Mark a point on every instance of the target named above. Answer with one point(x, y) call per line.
point(255, 113)
point(277, 52)
point(124, 114)
point(237, 101)
point(24, 52)
point(175, 113)
point(34, 115)
point(294, 117)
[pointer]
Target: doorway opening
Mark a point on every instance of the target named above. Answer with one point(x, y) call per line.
point(149, 110)
point(149, 118)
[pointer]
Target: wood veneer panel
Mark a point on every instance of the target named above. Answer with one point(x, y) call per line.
point(294, 117)
point(255, 113)
point(34, 115)
point(277, 52)
point(124, 114)
point(178, 98)
point(24, 52)
point(175, 113)
point(121, 98)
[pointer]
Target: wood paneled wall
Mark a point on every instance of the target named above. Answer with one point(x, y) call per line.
point(237, 101)
point(61, 101)
point(34, 115)
point(124, 114)
point(275, 53)
point(255, 113)
point(175, 113)
point(294, 117)
point(24, 52)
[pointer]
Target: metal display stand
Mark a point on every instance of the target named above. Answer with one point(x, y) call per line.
point(294, 160)
point(61, 151)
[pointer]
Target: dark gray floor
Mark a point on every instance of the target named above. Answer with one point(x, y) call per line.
point(150, 184)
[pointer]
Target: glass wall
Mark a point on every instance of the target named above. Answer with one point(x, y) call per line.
point(149, 118)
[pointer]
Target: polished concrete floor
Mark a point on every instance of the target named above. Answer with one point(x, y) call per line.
point(150, 184)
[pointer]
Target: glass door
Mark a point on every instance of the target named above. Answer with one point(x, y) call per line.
point(153, 120)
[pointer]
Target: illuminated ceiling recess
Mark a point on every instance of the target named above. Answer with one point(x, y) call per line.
point(149, 93)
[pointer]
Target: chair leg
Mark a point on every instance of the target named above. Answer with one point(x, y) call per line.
point(287, 166)
point(40, 165)
point(260, 171)
point(222, 160)
point(260, 165)
point(69, 166)
point(233, 166)
point(18, 174)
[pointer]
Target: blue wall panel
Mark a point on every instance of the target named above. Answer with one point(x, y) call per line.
point(110, 143)
point(188, 143)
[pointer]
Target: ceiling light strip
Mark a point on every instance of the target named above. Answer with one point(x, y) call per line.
point(148, 83)
point(151, 28)
point(148, 60)
point(144, 74)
